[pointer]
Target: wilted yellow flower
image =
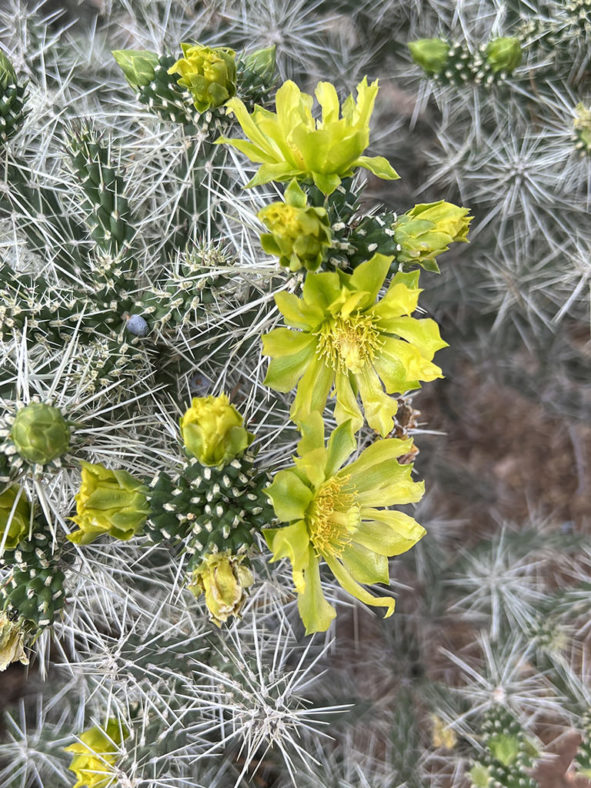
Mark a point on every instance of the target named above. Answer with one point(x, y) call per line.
point(334, 515)
point(12, 642)
point(110, 502)
point(349, 340)
point(96, 755)
point(299, 233)
point(209, 74)
point(292, 144)
point(15, 516)
point(224, 580)
point(213, 430)
point(428, 229)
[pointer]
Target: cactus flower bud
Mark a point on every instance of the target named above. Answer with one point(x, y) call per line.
point(110, 502)
point(427, 231)
point(223, 579)
point(213, 430)
point(40, 433)
point(299, 234)
point(262, 63)
point(503, 54)
point(208, 74)
point(12, 639)
point(430, 54)
point(96, 754)
point(15, 514)
point(138, 65)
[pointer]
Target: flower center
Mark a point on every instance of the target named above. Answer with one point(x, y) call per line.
point(333, 516)
point(348, 343)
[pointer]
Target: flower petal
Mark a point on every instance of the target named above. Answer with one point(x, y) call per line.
point(291, 541)
point(292, 352)
point(423, 334)
point(365, 565)
point(388, 532)
point(341, 445)
point(315, 611)
point(313, 390)
point(347, 581)
point(377, 165)
point(379, 408)
point(400, 490)
point(289, 495)
point(370, 276)
point(347, 407)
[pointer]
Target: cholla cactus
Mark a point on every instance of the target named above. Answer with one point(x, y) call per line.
point(207, 392)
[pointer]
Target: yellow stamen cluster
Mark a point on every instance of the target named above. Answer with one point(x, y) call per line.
point(333, 516)
point(348, 343)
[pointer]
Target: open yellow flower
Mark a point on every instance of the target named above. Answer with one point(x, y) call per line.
point(292, 144)
point(350, 341)
point(334, 515)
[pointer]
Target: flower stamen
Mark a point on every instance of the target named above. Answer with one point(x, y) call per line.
point(333, 516)
point(348, 343)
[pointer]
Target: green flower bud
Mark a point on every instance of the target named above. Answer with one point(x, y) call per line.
point(504, 748)
point(138, 65)
point(582, 126)
point(96, 755)
point(299, 234)
point(40, 433)
point(261, 63)
point(12, 640)
point(15, 516)
point(223, 579)
point(110, 502)
point(208, 74)
point(503, 54)
point(213, 431)
point(430, 54)
point(480, 776)
point(7, 72)
point(427, 231)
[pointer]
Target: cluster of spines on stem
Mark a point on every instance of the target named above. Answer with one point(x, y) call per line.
point(34, 591)
point(463, 67)
point(12, 101)
point(210, 509)
point(108, 214)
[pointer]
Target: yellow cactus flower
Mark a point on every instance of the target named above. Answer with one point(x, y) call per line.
point(224, 580)
point(15, 516)
point(96, 755)
point(292, 144)
point(12, 642)
point(334, 516)
point(213, 430)
point(110, 502)
point(350, 341)
point(209, 74)
point(299, 233)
